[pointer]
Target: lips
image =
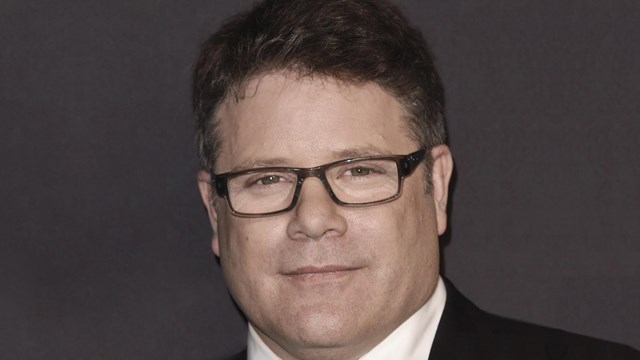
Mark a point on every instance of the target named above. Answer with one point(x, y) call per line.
point(320, 272)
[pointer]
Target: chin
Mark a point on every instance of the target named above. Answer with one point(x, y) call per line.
point(322, 329)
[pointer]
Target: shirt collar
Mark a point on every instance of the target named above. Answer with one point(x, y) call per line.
point(257, 349)
point(411, 340)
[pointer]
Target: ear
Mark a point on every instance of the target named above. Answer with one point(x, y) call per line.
point(206, 193)
point(440, 178)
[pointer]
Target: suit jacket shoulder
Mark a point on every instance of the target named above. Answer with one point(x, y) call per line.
point(239, 356)
point(467, 332)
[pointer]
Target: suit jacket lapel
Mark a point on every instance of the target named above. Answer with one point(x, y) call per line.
point(466, 332)
point(455, 337)
point(239, 356)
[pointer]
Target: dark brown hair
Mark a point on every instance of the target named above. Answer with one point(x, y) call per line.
point(352, 41)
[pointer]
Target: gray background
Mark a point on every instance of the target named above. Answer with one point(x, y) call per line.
point(104, 244)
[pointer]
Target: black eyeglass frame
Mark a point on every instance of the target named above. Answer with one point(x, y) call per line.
point(406, 165)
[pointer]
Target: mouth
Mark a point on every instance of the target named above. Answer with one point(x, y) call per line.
point(314, 273)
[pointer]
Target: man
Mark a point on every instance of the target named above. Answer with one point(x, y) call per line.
point(325, 175)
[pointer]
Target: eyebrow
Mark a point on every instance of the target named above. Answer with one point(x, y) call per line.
point(360, 151)
point(258, 163)
point(344, 154)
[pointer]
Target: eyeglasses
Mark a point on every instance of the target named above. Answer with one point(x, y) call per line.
point(357, 181)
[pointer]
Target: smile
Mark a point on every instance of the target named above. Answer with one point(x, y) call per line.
point(323, 273)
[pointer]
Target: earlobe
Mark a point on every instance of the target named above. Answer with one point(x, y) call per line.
point(440, 177)
point(206, 194)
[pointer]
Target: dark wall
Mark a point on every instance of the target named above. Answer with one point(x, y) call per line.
point(104, 244)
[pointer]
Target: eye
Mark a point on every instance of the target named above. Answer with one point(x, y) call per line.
point(269, 180)
point(359, 171)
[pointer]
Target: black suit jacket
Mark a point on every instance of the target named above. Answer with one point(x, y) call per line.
point(466, 332)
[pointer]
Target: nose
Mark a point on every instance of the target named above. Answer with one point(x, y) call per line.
point(316, 215)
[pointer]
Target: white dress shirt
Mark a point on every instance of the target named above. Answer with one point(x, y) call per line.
point(412, 340)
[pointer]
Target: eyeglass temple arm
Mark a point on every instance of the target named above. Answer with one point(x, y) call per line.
point(408, 164)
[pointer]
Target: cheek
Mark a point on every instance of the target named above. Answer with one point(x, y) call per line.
point(232, 245)
point(247, 257)
point(414, 228)
point(389, 233)
point(248, 247)
point(237, 241)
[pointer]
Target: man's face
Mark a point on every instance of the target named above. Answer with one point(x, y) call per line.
point(325, 280)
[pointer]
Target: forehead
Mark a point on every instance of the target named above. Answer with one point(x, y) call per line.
point(291, 121)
